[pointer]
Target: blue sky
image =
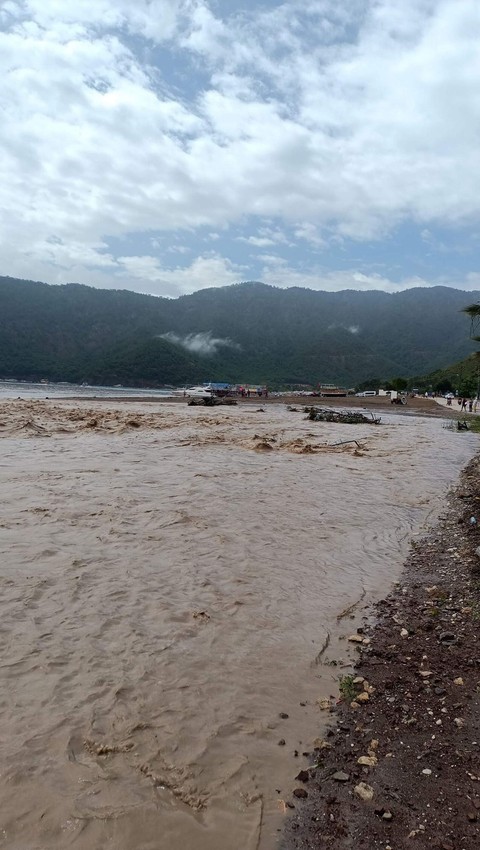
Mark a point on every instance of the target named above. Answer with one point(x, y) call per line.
point(170, 145)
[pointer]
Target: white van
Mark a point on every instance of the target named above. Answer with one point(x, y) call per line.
point(366, 394)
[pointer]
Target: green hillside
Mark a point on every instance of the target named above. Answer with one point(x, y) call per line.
point(462, 377)
point(247, 332)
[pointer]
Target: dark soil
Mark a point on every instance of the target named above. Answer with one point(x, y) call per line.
point(422, 672)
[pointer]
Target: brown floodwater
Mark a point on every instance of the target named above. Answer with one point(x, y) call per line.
point(169, 577)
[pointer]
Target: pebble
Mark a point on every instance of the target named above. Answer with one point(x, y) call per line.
point(363, 697)
point(427, 772)
point(364, 792)
point(458, 681)
point(283, 715)
point(355, 639)
point(341, 776)
point(448, 638)
point(303, 776)
point(367, 761)
point(404, 633)
point(300, 793)
point(321, 744)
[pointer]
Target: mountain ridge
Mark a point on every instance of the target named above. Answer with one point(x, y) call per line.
point(246, 332)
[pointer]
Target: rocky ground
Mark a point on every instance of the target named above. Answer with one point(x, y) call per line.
point(400, 764)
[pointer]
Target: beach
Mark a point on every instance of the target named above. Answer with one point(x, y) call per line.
point(178, 587)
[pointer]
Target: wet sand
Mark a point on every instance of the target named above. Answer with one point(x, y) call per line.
point(171, 578)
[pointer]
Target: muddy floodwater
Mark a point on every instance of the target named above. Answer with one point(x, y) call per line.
point(169, 577)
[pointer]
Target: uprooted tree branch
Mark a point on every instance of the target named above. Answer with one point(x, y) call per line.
point(318, 414)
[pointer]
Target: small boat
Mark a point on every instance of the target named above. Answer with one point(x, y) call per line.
point(203, 391)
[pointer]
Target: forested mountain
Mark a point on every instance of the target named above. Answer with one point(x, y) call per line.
point(248, 332)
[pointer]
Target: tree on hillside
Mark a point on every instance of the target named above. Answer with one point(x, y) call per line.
point(399, 384)
point(474, 312)
point(443, 386)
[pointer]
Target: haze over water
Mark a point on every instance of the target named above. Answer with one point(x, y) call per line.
point(169, 576)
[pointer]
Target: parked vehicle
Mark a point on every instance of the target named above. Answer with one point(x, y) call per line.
point(397, 398)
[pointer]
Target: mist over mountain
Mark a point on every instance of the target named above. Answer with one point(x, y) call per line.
point(249, 332)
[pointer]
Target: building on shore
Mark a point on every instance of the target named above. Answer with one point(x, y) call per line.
point(331, 390)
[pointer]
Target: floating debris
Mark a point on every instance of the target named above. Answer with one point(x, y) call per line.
point(318, 414)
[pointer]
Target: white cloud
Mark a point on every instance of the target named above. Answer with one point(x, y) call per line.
point(201, 343)
point(204, 272)
point(278, 273)
point(257, 241)
point(266, 237)
point(352, 329)
point(154, 19)
point(335, 119)
point(309, 232)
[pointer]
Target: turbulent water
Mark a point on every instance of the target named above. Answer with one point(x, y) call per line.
point(26, 390)
point(169, 577)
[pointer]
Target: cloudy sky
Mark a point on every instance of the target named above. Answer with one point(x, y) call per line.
point(169, 145)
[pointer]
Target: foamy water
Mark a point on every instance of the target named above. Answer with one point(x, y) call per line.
point(169, 576)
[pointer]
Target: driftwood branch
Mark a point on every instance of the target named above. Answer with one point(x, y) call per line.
point(351, 608)
point(325, 645)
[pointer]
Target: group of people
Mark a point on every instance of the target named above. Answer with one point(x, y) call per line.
point(472, 404)
point(259, 391)
point(463, 403)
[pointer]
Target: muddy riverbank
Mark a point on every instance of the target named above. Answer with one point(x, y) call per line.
point(417, 405)
point(399, 765)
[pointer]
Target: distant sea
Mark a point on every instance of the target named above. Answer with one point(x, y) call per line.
point(20, 389)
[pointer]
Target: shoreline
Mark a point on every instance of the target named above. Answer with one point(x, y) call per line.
point(416, 729)
point(417, 406)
